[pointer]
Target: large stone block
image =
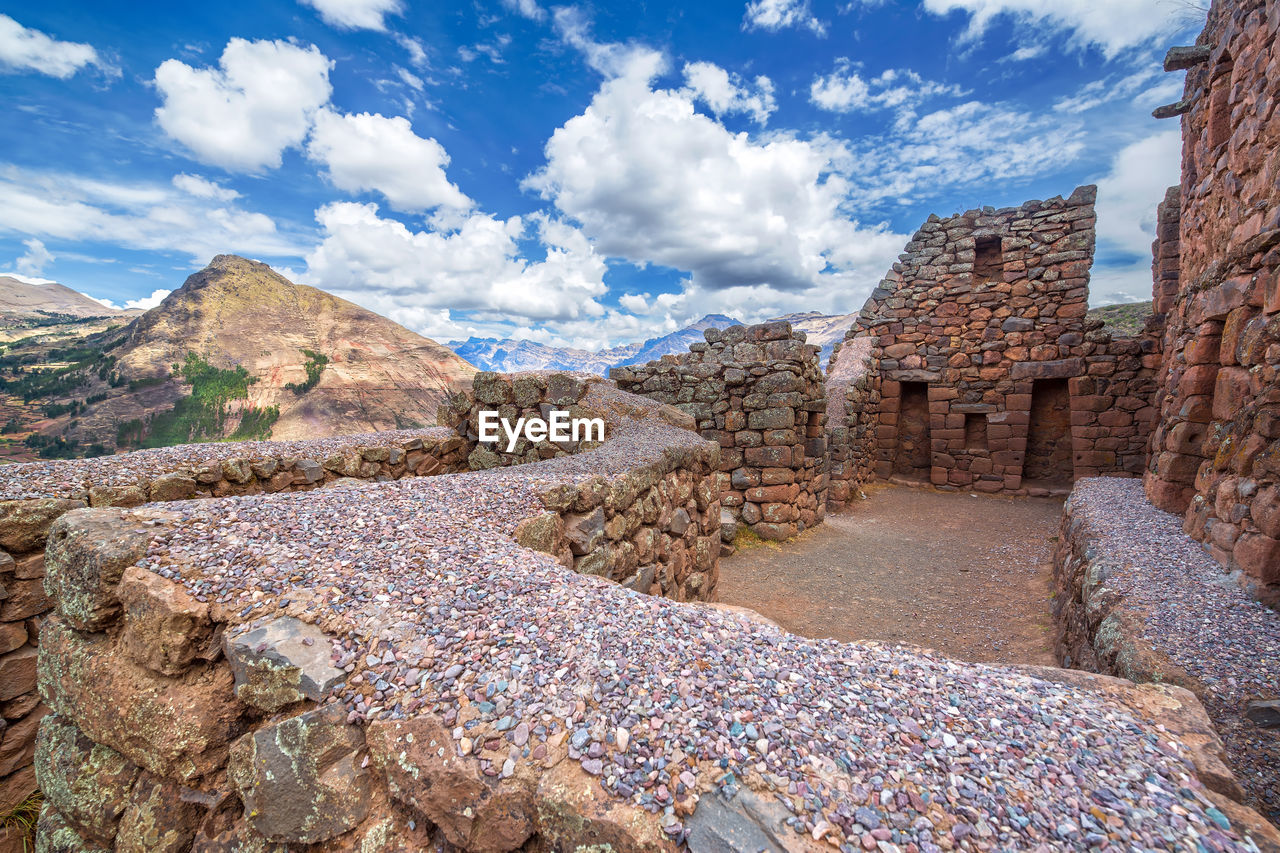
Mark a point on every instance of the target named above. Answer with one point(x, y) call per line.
point(24, 524)
point(88, 783)
point(165, 628)
point(87, 554)
point(160, 817)
point(423, 770)
point(301, 779)
point(281, 662)
point(174, 727)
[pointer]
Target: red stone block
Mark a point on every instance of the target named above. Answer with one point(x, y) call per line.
point(1258, 556)
point(1231, 391)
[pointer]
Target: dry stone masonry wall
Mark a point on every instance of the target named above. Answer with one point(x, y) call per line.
point(385, 668)
point(34, 495)
point(1216, 453)
point(656, 530)
point(758, 392)
point(984, 372)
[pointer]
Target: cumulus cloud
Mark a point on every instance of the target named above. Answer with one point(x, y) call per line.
point(356, 14)
point(1127, 199)
point(25, 49)
point(479, 265)
point(652, 180)
point(203, 188)
point(1112, 26)
point(143, 303)
point(367, 152)
point(845, 90)
point(158, 217)
point(35, 259)
point(774, 15)
point(243, 114)
point(726, 93)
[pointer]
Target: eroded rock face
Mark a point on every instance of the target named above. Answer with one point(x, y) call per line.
point(86, 558)
point(24, 524)
point(475, 812)
point(281, 662)
point(165, 628)
point(89, 784)
point(301, 779)
point(175, 727)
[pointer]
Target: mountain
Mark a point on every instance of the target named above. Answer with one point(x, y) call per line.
point(329, 366)
point(674, 343)
point(509, 355)
point(21, 299)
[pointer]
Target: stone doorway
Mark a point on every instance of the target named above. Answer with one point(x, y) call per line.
point(914, 455)
point(1048, 460)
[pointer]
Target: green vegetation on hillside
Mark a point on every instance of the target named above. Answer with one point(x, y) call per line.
point(1123, 320)
point(314, 366)
point(203, 415)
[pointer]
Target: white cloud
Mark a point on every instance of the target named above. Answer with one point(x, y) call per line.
point(774, 15)
point(1022, 54)
point(1110, 25)
point(727, 93)
point(476, 266)
point(356, 14)
point(611, 59)
point(528, 8)
point(35, 259)
point(634, 303)
point(973, 144)
point(25, 49)
point(845, 90)
point(158, 217)
point(29, 279)
point(372, 152)
point(1127, 199)
point(652, 180)
point(245, 113)
point(203, 188)
point(148, 302)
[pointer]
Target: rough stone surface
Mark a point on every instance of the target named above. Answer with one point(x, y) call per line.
point(1215, 453)
point(89, 784)
point(280, 662)
point(301, 779)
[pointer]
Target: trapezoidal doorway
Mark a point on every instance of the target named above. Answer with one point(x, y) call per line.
point(913, 457)
point(1048, 460)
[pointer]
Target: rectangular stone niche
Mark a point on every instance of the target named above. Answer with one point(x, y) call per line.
point(988, 259)
point(975, 432)
point(913, 455)
point(1048, 460)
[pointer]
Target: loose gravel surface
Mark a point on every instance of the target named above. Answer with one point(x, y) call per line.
point(72, 478)
point(1197, 616)
point(435, 610)
point(967, 575)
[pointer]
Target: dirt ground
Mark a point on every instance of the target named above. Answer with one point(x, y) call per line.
point(967, 575)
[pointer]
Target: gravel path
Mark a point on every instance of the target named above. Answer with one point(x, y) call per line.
point(437, 610)
point(1197, 616)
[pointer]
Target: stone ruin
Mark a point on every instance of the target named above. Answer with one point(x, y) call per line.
point(409, 664)
point(758, 392)
point(1215, 455)
point(984, 373)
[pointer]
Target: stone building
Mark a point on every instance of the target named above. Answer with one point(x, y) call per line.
point(758, 392)
point(984, 372)
point(1216, 452)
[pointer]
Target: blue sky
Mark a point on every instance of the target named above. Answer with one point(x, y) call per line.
point(575, 174)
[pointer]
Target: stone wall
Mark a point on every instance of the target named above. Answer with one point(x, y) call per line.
point(758, 392)
point(1216, 454)
point(655, 529)
point(985, 373)
point(34, 495)
point(383, 668)
point(1137, 598)
point(850, 437)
